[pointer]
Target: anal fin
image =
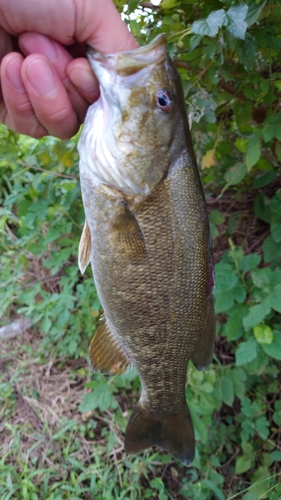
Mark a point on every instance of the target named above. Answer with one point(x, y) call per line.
point(106, 353)
point(84, 251)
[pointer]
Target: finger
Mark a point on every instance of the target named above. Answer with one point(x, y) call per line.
point(48, 97)
point(31, 43)
point(106, 32)
point(93, 21)
point(17, 113)
point(6, 46)
point(82, 76)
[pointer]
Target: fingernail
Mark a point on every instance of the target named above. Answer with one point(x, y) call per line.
point(42, 78)
point(13, 73)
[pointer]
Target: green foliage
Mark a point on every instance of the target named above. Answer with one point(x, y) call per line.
point(233, 18)
point(40, 226)
point(228, 55)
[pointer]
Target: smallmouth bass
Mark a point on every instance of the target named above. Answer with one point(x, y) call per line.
point(147, 237)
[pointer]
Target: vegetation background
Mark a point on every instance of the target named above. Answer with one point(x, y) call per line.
point(61, 426)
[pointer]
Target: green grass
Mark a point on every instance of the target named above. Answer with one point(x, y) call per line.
point(52, 451)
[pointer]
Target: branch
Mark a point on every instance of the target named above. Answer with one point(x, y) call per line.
point(231, 90)
point(149, 5)
point(13, 329)
point(182, 64)
point(258, 114)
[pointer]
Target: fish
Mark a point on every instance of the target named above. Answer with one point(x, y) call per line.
point(147, 237)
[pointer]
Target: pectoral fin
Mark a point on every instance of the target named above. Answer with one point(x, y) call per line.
point(130, 237)
point(106, 352)
point(84, 251)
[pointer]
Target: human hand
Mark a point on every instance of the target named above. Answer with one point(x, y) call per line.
point(46, 85)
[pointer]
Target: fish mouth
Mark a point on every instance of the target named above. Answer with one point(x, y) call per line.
point(132, 61)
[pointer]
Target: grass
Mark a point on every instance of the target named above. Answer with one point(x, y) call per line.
point(52, 451)
point(49, 450)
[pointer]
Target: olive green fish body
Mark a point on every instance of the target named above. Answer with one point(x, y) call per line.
point(151, 257)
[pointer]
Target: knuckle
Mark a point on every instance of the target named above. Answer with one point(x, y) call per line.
point(62, 123)
point(59, 116)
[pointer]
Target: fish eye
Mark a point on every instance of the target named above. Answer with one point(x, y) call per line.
point(165, 100)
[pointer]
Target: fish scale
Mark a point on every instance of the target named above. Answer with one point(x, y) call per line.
point(147, 238)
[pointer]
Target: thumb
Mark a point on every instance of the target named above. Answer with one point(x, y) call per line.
point(100, 25)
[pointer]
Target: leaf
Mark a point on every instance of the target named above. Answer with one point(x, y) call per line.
point(235, 175)
point(264, 179)
point(276, 456)
point(219, 495)
point(194, 41)
point(252, 156)
point(275, 228)
point(269, 132)
point(233, 328)
point(44, 158)
point(242, 464)
point(214, 231)
point(243, 117)
point(239, 293)
point(277, 413)
point(239, 377)
point(247, 409)
point(241, 142)
point(246, 352)
point(46, 324)
point(260, 482)
point(236, 16)
point(263, 334)
point(211, 25)
point(168, 4)
point(226, 277)
point(274, 299)
point(256, 315)
point(262, 425)
point(262, 209)
point(227, 390)
point(271, 249)
point(200, 429)
point(216, 217)
point(275, 206)
point(262, 277)
point(249, 262)
point(254, 12)
point(274, 349)
point(53, 234)
point(101, 397)
point(236, 253)
point(208, 159)
point(223, 302)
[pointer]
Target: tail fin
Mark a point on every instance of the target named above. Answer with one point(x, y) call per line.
point(173, 432)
